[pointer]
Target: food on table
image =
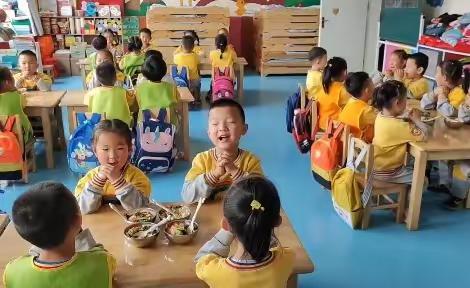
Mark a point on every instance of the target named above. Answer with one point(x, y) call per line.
point(140, 231)
point(180, 229)
point(180, 211)
point(142, 215)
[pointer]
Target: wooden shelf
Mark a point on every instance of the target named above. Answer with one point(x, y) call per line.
point(444, 50)
point(86, 17)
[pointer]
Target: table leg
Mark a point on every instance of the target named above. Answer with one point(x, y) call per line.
point(416, 190)
point(46, 125)
point(60, 127)
point(240, 75)
point(292, 282)
point(70, 110)
point(83, 75)
point(185, 131)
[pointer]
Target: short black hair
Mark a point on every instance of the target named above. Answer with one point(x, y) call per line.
point(107, 52)
point(193, 34)
point(106, 73)
point(452, 70)
point(356, 82)
point(152, 52)
point(154, 68)
point(226, 102)
point(316, 52)
point(221, 43)
point(385, 94)
point(28, 53)
point(5, 74)
point(335, 67)
point(146, 31)
point(187, 42)
point(44, 214)
point(421, 60)
point(116, 126)
point(135, 44)
point(99, 43)
point(401, 54)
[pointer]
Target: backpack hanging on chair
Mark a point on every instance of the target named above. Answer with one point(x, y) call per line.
point(181, 77)
point(303, 130)
point(11, 154)
point(222, 85)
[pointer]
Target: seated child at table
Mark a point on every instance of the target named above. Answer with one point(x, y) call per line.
point(131, 63)
point(92, 79)
point(464, 108)
point(230, 47)
point(115, 180)
point(154, 93)
point(47, 216)
point(190, 59)
point(12, 102)
point(222, 57)
point(413, 75)
point(449, 94)
point(214, 170)
point(333, 97)
point(29, 78)
point(109, 99)
point(318, 58)
point(357, 113)
point(393, 133)
point(99, 44)
point(145, 36)
point(251, 212)
point(197, 49)
point(396, 68)
point(141, 78)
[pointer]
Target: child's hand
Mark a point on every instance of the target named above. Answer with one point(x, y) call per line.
point(399, 74)
point(415, 115)
point(388, 73)
point(220, 171)
point(441, 97)
point(229, 166)
point(111, 173)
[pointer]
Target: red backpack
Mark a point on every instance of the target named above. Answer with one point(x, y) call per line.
point(11, 154)
point(303, 132)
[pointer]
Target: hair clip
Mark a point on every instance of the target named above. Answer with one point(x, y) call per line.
point(329, 65)
point(255, 205)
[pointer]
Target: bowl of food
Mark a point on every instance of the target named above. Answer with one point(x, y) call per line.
point(453, 123)
point(139, 234)
point(428, 118)
point(180, 212)
point(179, 232)
point(141, 215)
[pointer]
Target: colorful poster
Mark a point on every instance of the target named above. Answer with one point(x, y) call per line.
point(130, 27)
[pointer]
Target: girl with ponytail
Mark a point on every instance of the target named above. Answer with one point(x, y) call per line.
point(222, 56)
point(251, 212)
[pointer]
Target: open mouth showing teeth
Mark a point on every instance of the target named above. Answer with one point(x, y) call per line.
point(221, 138)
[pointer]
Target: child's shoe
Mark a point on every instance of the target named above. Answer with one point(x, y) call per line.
point(454, 203)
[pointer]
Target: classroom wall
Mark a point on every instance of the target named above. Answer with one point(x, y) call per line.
point(449, 6)
point(373, 17)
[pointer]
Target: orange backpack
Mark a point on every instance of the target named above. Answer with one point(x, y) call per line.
point(11, 156)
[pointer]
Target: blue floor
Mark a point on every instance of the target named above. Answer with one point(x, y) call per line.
point(386, 255)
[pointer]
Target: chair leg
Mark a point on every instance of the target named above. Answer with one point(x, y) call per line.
point(25, 171)
point(401, 205)
point(366, 217)
point(33, 160)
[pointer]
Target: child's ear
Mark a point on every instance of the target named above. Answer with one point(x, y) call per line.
point(224, 224)
point(420, 70)
point(245, 129)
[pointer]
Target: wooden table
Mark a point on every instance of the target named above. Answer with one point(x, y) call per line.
point(4, 220)
point(164, 265)
point(46, 106)
point(74, 101)
point(445, 144)
point(205, 67)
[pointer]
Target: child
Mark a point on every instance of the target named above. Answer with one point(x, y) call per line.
point(12, 102)
point(222, 57)
point(113, 45)
point(214, 170)
point(131, 63)
point(146, 36)
point(154, 93)
point(333, 97)
point(109, 99)
point(464, 108)
point(412, 77)
point(47, 216)
point(230, 47)
point(251, 212)
point(318, 58)
point(357, 113)
point(190, 59)
point(100, 57)
point(396, 67)
point(449, 94)
point(197, 49)
point(29, 78)
point(392, 133)
point(115, 178)
point(141, 78)
point(99, 43)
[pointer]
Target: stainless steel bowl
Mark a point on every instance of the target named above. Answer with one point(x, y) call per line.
point(180, 239)
point(453, 123)
point(151, 210)
point(140, 242)
point(162, 214)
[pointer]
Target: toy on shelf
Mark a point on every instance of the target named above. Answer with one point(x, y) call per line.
point(103, 11)
point(115, 10)
point(89, 27)
point(90, 8)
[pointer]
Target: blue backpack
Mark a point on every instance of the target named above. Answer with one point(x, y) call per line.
point(292, 103)
point(155, 149)
point(80, 154)
point(180, 77)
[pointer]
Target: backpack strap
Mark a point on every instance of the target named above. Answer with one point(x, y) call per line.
point(329, 130)
point(147, 115)
point(338, 130)
point(9, 123)
point(174, 71)
point(227, 71)
point(162, 115)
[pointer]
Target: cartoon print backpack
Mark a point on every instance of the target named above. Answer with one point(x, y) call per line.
point(80, 154)
point(222, 84)
point(155, 149)
point(181, 77)
point(11, 154)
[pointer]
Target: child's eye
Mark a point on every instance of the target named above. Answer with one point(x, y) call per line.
point(105, 149)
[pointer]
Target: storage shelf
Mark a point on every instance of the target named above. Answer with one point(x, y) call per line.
point(444, 50)
point(406, 46)
point(86, 17)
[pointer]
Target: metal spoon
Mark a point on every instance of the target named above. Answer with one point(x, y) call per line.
point(199, 204)
point(163, 207)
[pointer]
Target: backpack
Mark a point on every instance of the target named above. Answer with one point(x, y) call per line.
point(11, 154)
point(346, 191)
point(181, 78)
point(80, 154)
point(303, 132)
point(222, 85)
point(326, 154)
point(155, 149)
point(293, 102)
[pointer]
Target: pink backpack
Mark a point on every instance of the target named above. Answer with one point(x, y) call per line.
point(222, 85)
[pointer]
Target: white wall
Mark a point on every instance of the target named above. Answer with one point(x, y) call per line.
point(373, 18)
point(449, 6)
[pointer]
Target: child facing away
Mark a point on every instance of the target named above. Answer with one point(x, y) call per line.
point(333, 97)
point(47, 216)
point(131, 63)
point(212, 171)
point(12, 102)
point(413, 75)
point(449, 94)
point(154, 93)
point(141, 78)
point(115, 180)
point(196, 49)
point(464, 109)
point(190, 59)
point(396, 68)
point(145, 36)
point(251, 212)
point(112, 43)
point(222, 57)
point(318, 58)
point(358, 114)
point(109, 99)
point(100, 57)
point(29, 78)
point(99, 43)
point(393, 130)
